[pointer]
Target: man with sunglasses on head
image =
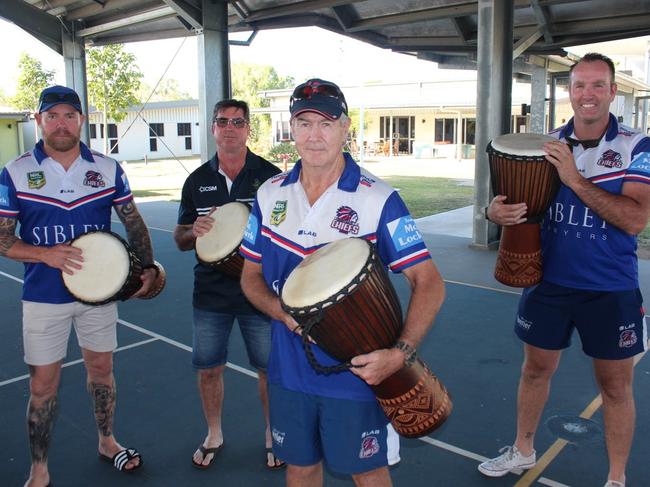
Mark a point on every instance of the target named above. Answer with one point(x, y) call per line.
point(233, 174)
point(58, 191)
point(334, 419)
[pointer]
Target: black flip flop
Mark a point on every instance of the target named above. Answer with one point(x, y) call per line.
point(205, 452)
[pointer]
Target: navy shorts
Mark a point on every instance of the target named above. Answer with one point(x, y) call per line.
point(611, 324)
point(350, 436)
point(211, 332)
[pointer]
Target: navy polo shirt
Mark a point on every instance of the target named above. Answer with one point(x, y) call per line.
point(203, 189)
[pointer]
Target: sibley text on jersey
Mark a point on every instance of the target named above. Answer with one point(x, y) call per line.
point(58, 234)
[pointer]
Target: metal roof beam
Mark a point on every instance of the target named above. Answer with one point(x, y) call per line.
point(620, 23)
point(307, 6)
point(346, 15)
point(93, 9)
point(42, 26)
point(543, 19)
point(464, 28)
point(190, 14)
point(525, 42)
point(157, 14)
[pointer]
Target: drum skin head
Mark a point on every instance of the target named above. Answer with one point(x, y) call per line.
point(326, 272)
point(104, 270)
point(528, 145)
point(225, 235)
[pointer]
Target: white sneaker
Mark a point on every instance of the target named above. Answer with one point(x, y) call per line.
point(510, 459)
point(614, 483)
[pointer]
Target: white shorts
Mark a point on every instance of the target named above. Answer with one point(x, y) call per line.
point(46, 329)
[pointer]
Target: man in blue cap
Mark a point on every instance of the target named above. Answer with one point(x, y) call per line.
point(331, 419)
point(58, 191)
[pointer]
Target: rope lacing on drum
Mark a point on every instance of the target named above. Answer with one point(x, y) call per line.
point(311, 357)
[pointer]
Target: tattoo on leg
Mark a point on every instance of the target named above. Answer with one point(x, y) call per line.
point(104, 400)
point(39, 426)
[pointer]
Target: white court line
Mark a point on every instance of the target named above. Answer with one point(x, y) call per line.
point(182, 346)
point(488, 288)
point(78, 361)
point(9, 276)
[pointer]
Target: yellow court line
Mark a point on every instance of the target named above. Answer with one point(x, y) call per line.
point(554, 450)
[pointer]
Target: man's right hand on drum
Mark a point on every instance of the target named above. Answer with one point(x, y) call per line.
point(63, 256)
point(505, 214)
point(203, 224)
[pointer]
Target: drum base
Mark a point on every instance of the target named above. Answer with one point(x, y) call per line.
point(519, 263)
point(419, 410)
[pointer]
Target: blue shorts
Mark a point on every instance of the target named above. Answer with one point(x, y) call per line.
point(350, 436)
point(211, 332)
point(611, 324)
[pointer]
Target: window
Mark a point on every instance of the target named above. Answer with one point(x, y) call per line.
point(155, 130)
point(184, 129)
point(112, 138)
point(282, 131)
point(469, 131)
point(93, 131)
point(445, 130)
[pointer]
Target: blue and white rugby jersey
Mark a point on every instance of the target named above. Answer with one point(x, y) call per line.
point(54, 206)
point(581, 250)
point(283, 229)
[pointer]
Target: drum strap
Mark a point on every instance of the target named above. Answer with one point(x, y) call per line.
point(311, 358)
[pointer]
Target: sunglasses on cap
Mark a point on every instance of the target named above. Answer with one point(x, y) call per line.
point(306, 91)
point(238, 122)
point(69, 98)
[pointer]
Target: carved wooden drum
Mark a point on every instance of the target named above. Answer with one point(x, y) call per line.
point(342, 296)
point(520, 171)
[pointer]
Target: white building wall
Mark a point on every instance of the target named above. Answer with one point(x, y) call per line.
point(134, 136)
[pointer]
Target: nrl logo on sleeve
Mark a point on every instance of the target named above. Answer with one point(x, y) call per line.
point(36, 179)
point(279, 213)
point(94, 180)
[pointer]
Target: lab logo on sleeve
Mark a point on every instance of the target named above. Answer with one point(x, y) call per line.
point(4, 195)
point(404, 233)
point(250, 232)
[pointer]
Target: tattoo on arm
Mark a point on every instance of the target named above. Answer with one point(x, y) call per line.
point(104, 400)
point(7, 234)
point(39, 425)
point(137, 231)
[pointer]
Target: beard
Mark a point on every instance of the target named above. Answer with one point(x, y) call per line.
point(61, 141)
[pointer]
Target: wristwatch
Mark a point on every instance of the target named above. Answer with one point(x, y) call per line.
point(410, 354)
point(485, 212)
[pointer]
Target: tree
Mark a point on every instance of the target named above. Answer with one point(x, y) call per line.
point(113, 82)
point(167, 90)
point(33, 78)
point(247, 81)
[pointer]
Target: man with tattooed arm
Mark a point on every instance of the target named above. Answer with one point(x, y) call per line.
point(58, 191)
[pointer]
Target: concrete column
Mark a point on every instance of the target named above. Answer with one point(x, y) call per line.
point(494, 101)
point(214, 68)
point(74, 61)
point(538, 100)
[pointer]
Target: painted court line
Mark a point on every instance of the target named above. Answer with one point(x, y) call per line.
point(559, 444)
point(78, 361)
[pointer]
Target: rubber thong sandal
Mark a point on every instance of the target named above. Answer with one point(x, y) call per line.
point(271, 456)
point(122, 458)
point(205, 452)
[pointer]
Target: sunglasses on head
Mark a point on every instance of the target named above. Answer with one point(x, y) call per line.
point(70, 98)
point(306, 91)
point(238, 122)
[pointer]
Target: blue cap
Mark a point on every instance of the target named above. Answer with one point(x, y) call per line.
point(319, 96)
point(58, 95)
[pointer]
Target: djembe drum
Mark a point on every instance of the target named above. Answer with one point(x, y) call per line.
point(520, 171)
point(219, 248)
point(110, 270)
point(342, 296)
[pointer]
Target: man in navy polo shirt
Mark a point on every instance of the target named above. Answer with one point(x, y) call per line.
point(590, 277)
point(332, 419)
point(58, 191)
point(233, 174)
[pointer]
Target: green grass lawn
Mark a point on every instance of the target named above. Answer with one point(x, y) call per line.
point(428, 196)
